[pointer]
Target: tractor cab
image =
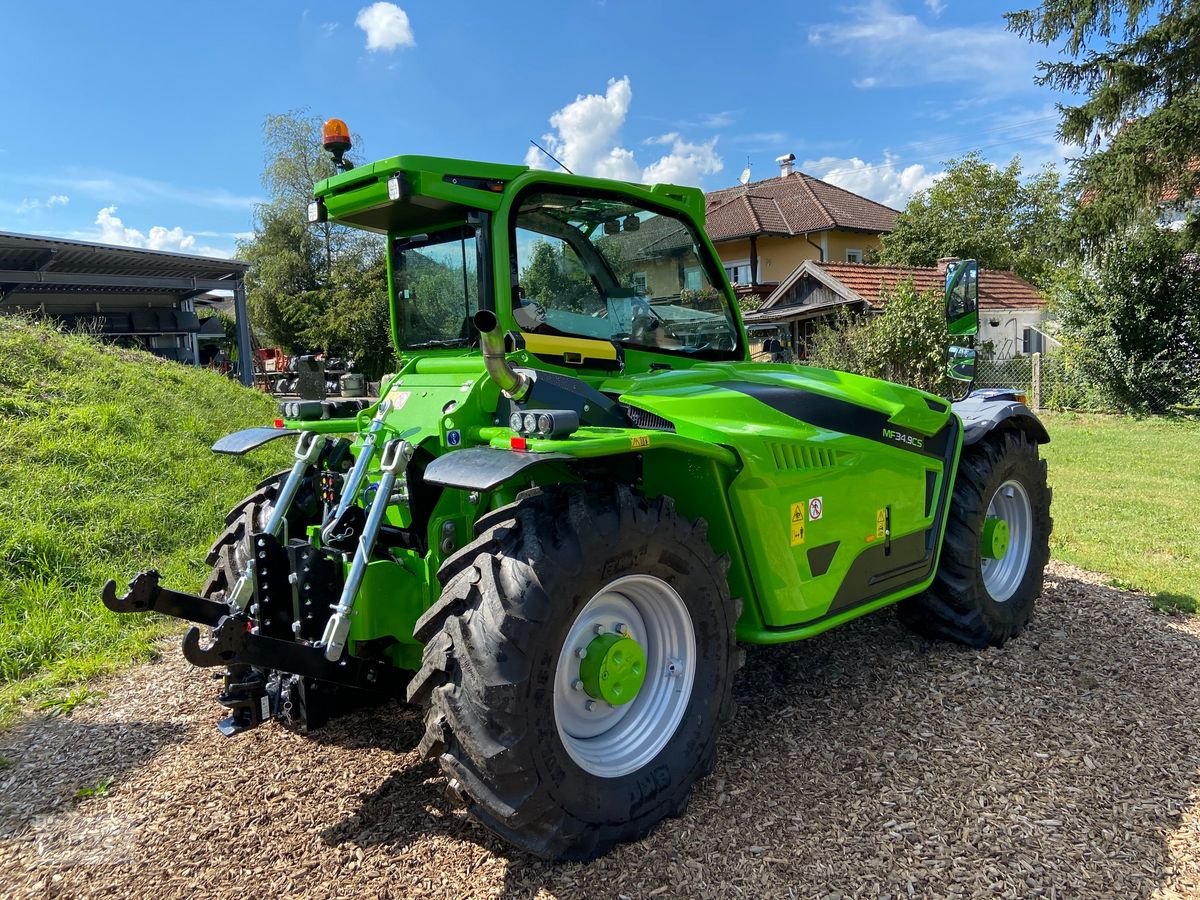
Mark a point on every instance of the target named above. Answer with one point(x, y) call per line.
point(583, 275)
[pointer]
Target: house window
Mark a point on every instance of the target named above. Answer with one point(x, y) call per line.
point(739, 272)
point(854, 256)
point(693, 278)
point(639, 283)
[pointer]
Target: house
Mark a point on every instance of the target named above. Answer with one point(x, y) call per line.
point(1011, 310)
point(765, 229)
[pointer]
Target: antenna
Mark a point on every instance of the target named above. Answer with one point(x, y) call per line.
point(745, 176)
point(551, 155)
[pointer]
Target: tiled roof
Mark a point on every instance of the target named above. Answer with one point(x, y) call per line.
point(998, 289)
point(790, 205)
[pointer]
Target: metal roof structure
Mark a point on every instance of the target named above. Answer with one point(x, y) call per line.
point(146, 297)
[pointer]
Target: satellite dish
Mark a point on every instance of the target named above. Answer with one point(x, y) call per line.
point(745, 176)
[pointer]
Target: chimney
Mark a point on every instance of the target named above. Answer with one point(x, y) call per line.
point(944, 263)
point(785, 164)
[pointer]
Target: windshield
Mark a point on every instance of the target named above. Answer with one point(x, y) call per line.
point(435, 280)
point(603, 268)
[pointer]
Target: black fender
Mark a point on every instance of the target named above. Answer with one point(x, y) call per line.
point(248, 439)
point(981, 415)
point(482, 468)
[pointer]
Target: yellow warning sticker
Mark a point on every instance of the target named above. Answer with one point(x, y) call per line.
point(639, 441)
point(881, 524)
point(798, 523)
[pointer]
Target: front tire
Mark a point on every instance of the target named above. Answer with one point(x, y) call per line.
point(540, 760)
point(977, 600)
point(230, 551)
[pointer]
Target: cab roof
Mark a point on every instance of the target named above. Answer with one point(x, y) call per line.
point(436, 190)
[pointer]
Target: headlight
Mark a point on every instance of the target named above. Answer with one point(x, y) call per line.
point(545, 424)
point(316, 211)
point(514, 421)
point(530, 423)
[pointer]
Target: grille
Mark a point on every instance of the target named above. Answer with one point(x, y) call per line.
point(789, 457)
point(648, 420)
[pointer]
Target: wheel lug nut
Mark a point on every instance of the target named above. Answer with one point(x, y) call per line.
point(577, 686)
point(580, 652)
point(590, 705)
point(598, 628)
point(622, 629)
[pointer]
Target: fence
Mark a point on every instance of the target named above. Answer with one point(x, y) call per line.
point(1051, 382)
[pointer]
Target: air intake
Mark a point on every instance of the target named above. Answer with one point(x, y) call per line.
point(792, 457)
point(648, 420)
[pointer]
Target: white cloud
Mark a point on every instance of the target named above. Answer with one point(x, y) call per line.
point(886, 182)
point(865, 83)
point(386, 26)
point(687, 163)
point(722, 119)
point(894, 49)
point(111, 230)
point(935, 6)
point(587, 139)
point(669, 138)
point(585, 131)
point(34, 203)
point(329, 27)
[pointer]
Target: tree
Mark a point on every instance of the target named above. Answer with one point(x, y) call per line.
point(1139, 120)
point(1133, 326)
point(906, 341)
point(979, 211)
point(312, 286)
point(556, 279)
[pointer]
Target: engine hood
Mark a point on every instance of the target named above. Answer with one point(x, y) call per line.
point(717, 402)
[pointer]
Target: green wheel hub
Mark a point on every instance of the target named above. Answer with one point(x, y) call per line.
point(613, 669)
point(995, 538)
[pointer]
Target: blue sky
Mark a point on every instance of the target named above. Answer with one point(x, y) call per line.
point(140, 123)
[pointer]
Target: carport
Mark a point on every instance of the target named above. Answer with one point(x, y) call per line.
point(134, 297)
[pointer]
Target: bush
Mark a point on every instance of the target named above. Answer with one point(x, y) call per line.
point(905, 342)
point(1132, 327)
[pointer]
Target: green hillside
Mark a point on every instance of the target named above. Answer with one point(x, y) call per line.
point(105, 469)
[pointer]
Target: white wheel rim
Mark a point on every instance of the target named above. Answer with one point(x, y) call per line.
point(611, 741)
point(1002, 577)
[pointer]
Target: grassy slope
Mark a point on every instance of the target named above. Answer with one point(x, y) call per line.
point(105, 469)
point(1127, 501)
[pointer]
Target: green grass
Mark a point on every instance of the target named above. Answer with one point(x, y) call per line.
point(105, 469)
point(67, 703)
point(92, 791)
point(1127, 501)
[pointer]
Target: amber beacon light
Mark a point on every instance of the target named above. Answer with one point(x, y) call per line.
point(335, 137)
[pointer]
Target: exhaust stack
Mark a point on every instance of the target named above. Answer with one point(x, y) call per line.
point(514, 384)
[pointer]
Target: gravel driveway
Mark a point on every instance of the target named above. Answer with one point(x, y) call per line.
point(864, 763)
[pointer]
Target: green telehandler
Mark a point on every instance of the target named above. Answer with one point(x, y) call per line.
point(578, 496)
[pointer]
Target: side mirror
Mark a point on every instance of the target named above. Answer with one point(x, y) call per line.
point(962, 298)
point(962, 364)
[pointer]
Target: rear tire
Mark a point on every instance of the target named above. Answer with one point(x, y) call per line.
point(977, 601)
point(510, 617)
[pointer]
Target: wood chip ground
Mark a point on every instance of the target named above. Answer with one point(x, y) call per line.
point(863, 763)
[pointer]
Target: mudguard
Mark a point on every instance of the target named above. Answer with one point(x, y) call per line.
point(244, 441)
point(981, 414)
point(482, 468)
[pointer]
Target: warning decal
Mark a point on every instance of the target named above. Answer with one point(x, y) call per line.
point(816, 508)
point(797, 524)
point(881, 523)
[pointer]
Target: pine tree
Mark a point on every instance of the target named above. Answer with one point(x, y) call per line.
point(1136, 66)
